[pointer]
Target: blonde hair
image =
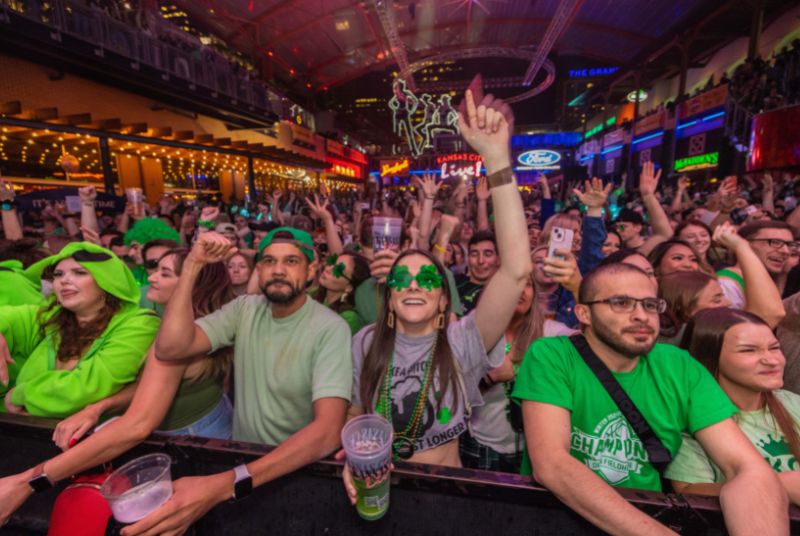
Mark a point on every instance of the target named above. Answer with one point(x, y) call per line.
point(566, 221)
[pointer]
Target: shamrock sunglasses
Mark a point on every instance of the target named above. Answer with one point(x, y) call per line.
point(428, 278)
point(338, 267)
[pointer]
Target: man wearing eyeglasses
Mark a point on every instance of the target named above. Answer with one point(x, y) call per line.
point(773, 242)
point(580, 444)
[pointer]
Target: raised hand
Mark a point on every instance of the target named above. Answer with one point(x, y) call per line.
point(683, 183)
point(87, 194)
point(486, 130)
point(563, 269)
point(594, 194)
point(320, 209)
point(728, 192)
point(211, 247)
point(726, 236)
point(648, 180)
point(482, 192)
point(380, 266)
point(429, 186)
point(448, 223)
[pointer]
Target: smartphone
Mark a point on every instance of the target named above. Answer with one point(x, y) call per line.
point(560, 238)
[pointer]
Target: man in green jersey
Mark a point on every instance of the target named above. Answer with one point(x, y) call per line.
point(580, 444)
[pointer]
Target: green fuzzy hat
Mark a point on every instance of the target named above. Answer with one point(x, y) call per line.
point(110, 273)
point(149, 229)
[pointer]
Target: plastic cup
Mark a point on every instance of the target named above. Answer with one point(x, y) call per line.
point(367, 441)
point(386, 233)
point(138, 488)
point(136, 198)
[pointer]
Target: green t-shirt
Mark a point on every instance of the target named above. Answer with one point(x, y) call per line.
point(367, 298)
point(673, 391)
point(693, 465)
point(281, 365)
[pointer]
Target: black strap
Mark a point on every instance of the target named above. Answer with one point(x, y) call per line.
point(657, 453)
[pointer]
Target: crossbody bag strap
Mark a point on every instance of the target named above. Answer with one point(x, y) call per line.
point(657, 453)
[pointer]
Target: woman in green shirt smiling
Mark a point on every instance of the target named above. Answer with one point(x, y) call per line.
point(743, 354)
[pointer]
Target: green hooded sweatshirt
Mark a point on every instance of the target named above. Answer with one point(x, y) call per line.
point(15, 288)
point(111, 362)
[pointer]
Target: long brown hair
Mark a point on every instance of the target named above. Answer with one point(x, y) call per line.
point(73, 338)
point(530, 326)
point(706, 335)
point(211, 291)
point(360, 274)
point(377, 356)
point(680, 290)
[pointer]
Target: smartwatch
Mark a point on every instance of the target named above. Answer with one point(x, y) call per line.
point(40, 483)
point(7, 205)
point(242, 482)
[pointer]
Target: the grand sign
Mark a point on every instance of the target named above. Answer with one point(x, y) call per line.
point(540, 159)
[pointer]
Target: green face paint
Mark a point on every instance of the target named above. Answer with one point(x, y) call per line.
point(427, 278)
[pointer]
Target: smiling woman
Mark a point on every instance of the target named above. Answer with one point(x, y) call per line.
point(741, 351)
point(85, 344)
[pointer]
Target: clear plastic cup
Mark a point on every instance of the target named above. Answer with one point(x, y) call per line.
point(386, 233)
point(139, 487)
point(136, 198)
point(367, 441)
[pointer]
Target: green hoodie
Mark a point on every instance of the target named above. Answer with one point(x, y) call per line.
point(112, 361)
point(15, 288)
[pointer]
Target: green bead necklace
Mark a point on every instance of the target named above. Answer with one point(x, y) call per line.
point(403, 444)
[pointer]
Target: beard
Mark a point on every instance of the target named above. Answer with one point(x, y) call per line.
point(616, 342)
point(283, 296)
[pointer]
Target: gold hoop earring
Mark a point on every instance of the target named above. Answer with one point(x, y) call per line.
point(390, 320)
point(440, 321)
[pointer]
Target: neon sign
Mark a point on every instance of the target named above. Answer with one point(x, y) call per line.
point(594, 71)
point(395, 168)
point(640, 95)
point(462, 165)
point(701, 161)
point(540, 159)
point(438, 117)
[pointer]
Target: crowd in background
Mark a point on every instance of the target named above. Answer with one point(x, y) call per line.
point(275, 320)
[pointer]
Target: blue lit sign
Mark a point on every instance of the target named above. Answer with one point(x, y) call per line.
point(595, 71)
point(540, 159)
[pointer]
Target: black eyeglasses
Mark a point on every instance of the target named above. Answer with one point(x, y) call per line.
point(776, 243)
point(151, 264)
point(626, 304)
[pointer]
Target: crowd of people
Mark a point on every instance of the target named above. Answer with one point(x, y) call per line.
point(657, 350)
point(763, 85)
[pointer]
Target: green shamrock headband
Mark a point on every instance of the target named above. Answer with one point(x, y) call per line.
point(428, 278)
point(338, 268)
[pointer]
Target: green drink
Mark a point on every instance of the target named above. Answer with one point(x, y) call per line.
point(373, 502)
point(367, 441)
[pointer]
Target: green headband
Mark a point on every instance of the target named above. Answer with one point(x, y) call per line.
point(428, 278)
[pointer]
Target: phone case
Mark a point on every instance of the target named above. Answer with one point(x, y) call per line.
point(560, 238)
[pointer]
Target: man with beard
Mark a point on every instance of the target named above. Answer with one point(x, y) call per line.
point(292, 369)
point(580, 444)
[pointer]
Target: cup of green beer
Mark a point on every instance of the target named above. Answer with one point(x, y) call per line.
point(367, 442)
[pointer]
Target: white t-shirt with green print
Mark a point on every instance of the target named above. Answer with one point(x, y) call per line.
point(693, 465)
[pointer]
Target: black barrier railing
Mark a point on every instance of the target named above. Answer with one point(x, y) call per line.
point(194, 63)
point(425, 499)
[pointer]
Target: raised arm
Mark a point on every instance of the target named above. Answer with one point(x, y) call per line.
point(483, 194)
point(752, 498)
point(428, 188)
point(485, 128)
point(677, 200)
point(547, 433)
point(88, 212)
point(179, 337)
point(768, 194)
point(11, 225)
point(594, 196)
point(762, 297)
point(662, 230)
point(320, 210)
point(447, 225)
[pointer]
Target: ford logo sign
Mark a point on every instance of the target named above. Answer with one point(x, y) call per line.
point(539, 158)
